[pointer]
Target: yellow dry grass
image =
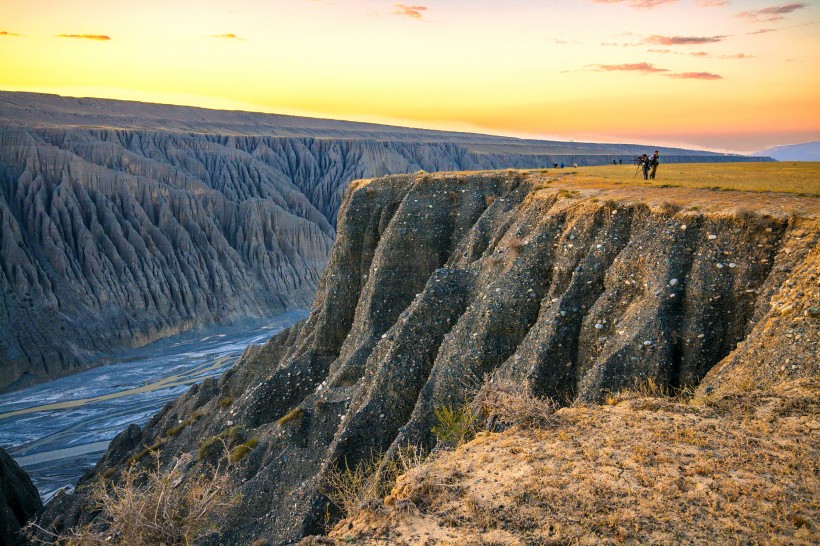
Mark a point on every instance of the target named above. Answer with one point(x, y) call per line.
point(734, 469)
point(786, 177)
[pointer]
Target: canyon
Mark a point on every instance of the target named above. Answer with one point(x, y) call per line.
point(578, 289)
point(122, 223)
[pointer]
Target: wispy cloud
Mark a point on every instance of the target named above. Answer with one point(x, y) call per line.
point(98, 37)
point(10, 34)
point(701, 54)
point(414, 12)
point(649, 68)
point(767, 30)
point(645, 68)
point(682, 40)
point(712, 3)
point(771, 13)
point(638, 4)
point(565, 42)
point(227, 36)
point(695, 76)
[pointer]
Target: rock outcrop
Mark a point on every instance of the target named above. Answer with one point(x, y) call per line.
point(436, 280)
point(19, 499)
point(123, 222)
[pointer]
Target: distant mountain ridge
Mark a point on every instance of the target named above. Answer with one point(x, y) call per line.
point(808, 151)
point(123, 222)
point(45, 110)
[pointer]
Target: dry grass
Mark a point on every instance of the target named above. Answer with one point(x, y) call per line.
point(292, 415)
point(243, 450)
point(788, 177)
point(226, 440)
point(644, 471)
point(363, 487)
point(150, 507)
point(504, 402)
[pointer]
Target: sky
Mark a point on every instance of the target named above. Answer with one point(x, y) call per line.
point(724, 75)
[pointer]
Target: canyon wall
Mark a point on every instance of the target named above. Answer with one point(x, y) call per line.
point(124, 222)
point(436, 280)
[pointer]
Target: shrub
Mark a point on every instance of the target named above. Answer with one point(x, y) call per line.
point(295, 413)
point(173, 431)
point(503, 402)
point(455, 425)
point(363, 487)
point(228, 438)
point(225, 402)
point(243, 450)
point(148, 507)
point(641, 388)
point(134, 459)
point(353, 489)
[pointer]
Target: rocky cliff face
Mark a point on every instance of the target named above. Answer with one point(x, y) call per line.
point(437, 280)
point(19, 499)
point(123, 222)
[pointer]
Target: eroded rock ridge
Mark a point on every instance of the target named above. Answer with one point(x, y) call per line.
point(437, 280)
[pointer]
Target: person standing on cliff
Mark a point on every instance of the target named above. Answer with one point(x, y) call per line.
point(654, 161)
point(645, 166)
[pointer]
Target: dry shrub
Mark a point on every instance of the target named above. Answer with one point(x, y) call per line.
point(153, 506)
point(503, 402)
point(364, 486)
point(642, 388)
point(353, 489)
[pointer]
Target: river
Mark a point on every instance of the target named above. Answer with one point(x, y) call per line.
point(57, 430)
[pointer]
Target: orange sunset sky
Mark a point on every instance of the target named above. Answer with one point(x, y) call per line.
point(722, 75)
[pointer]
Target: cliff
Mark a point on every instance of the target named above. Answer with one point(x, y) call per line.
point(436, 280)
point(123, 222)
point(112, 239)
point(19, 500)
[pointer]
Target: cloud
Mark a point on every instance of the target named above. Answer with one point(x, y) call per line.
point(6, 33)
point(771, 13)
point(682, 40)
point(645, 68)
point(565, 42)
point(712, 3)
point(702, 54)
point(638, 4)
point(414, 12)
point(98, 37)
point(649, 68)
point(764, 31)
point(695, 76)
point(227, 36)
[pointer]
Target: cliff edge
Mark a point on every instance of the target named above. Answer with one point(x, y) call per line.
point(581, 290)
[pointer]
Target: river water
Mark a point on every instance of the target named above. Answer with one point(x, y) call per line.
point(57, 430)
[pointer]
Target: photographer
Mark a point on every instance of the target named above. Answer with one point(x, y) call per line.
point(644, 165)
point(654, 161)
